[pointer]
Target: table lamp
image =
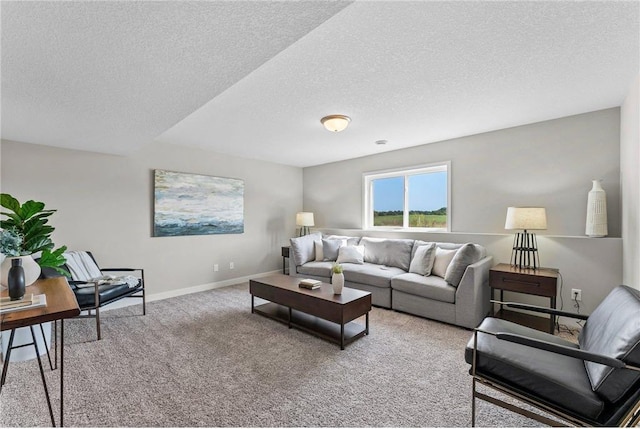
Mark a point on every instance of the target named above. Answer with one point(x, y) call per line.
point(525, 245)
point(304, 220)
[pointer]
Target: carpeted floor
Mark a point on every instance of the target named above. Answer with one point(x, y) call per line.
point(205, 360)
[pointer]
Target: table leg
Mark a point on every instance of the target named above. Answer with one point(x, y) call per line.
point(61, 372)
point(366, 331)
point(342, 336)
point(283, 266)
point(252, 304)
point(290, 311)
point(44, 380)
point(552, 318)
point(5, 366)
point(44, 340)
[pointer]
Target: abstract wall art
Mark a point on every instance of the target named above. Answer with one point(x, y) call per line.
point(194, 204)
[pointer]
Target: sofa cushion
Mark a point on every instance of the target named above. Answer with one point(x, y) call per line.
point(613, 329)
point(442, 261)
point(303, 248)
point(370, 274)
point(389, 252)
point(351, 254)
point(559, 379)
point(464, 256)
point(431, 287)
point(313, 268)
point(351, 241)
point(330, 249)
point(422, 259)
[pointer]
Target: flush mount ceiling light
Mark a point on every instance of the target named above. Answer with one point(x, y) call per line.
point(335, 123)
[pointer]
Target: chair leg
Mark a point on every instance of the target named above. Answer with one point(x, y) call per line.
point(473, 403)
point(98, 322)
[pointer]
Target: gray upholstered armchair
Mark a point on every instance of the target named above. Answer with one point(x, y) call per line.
point(593, 383)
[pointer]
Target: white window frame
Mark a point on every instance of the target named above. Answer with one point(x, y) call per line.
point(369, 177)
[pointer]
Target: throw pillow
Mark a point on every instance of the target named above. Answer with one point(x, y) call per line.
point(442, 261)
point(351, 254)
point(423, 259)
point(465, 256)
point(330, 249)
point(319, 254)
point(302, 248)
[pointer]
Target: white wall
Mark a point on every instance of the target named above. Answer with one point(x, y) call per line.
point(105, 204)
point(630, 183)
point(549, 164)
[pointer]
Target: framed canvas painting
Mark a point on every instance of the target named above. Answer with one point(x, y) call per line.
point(194, 204)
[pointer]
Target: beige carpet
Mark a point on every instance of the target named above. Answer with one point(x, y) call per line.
point(205, 360)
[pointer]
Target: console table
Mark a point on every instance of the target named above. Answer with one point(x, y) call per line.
point(61, 304)
point(540, 282)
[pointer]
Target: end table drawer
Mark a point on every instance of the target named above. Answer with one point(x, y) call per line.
point(534, 285)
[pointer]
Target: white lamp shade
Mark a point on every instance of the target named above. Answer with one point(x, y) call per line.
point(335, 123)
point(304, 219)
point(526, 218)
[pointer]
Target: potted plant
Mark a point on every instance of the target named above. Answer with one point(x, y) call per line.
point(25, 232)
point(337, 278)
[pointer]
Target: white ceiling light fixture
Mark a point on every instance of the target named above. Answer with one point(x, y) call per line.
point(335, 123)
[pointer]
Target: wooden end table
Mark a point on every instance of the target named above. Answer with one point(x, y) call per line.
point(61, 304)
point(539, 282)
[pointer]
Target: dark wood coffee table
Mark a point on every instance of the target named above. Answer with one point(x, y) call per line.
point(318, 311)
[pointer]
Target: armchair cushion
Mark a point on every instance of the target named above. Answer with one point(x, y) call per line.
point(107, 293)
point(613, 329)
point(561, 380)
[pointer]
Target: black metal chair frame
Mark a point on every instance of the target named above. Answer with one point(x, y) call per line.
point(631, 417)
point(136, 292)
point(97, 303)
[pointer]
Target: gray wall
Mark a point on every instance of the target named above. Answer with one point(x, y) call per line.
point(105, 205)
point(549, 164)
point(630, 178)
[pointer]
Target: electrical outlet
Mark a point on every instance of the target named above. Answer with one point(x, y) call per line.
point(576, 294)
point(215, 267)
point(231, 265)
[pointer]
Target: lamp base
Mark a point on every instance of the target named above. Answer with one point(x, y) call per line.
point(304, 230)
point(525, 251)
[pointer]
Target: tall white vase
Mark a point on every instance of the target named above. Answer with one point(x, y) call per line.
point(31, 269)
point(337, 282)
point(597, 211)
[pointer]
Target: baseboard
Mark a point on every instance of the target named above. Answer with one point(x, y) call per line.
point(185, 291)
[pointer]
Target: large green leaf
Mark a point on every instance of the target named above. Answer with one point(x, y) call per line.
point(54, 259)
point(9, 223)
point(37, 244)
point(7, 201)
point(31, 208)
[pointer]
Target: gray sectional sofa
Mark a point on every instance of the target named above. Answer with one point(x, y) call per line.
point(393, 270)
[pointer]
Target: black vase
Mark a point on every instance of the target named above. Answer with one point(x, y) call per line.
point(15, 280)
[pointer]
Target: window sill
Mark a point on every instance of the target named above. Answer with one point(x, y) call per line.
point(400, 229)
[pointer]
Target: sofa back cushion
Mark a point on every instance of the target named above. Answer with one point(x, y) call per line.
point(303, 248)
point(613, 329)
point(465, 256)
point(351, 241)
point(389, 252)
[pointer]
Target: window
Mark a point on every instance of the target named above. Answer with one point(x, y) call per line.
point(416, 197)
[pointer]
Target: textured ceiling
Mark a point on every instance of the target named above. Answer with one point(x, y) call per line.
point(253, 79)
